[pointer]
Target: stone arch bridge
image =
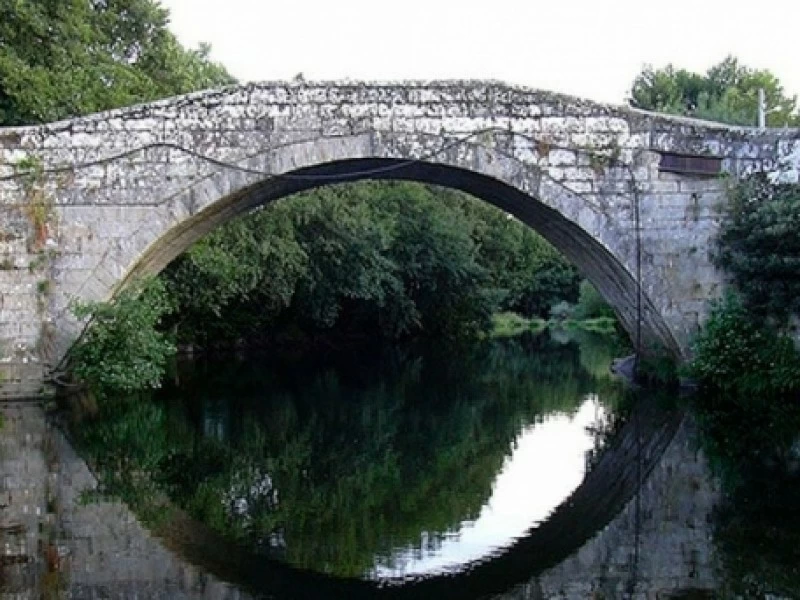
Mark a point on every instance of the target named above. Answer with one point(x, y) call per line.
point(633, 199)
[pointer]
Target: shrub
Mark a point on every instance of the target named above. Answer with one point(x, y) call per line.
point(737, 355)
point(591, 304)
point(121, 350)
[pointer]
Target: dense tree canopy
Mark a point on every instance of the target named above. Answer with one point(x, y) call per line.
point(62, 58)
point(728, 93)
point(380, 259)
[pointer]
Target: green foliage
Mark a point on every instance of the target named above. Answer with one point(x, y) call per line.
point(390, 259)
point(728, 93)
point(743, 352)
point(657, 367)
point(591, 305)
point(238, 278)
point(510, 324)
point(61, 58)
point(121, 350)
point(530, 273)
point(31, 166)
point(747, 360)
point(759, 246)
point(591, 313)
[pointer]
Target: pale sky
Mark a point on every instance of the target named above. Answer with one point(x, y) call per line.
point(589, 48)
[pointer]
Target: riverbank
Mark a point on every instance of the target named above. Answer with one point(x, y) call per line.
point(509, 324)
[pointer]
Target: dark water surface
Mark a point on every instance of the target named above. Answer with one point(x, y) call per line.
point(519, 469)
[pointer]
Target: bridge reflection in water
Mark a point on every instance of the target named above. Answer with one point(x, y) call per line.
point(637, 526)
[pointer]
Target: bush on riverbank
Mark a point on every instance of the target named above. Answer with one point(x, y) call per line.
point(759, 246)
point(122, 350)
point(591, 305)
point(739, 356)
point(590, 313)
point(745, 349)
point(745, 359)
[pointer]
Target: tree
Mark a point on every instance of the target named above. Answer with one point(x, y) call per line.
point(759, 247)
point(238, 278)
point(728, 93)
point(62, 58)
point(122, 351)
point(388, 259)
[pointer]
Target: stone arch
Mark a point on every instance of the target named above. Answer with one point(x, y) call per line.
point(567, 220)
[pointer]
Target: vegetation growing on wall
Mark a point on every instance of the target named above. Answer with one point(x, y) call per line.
point(38, 209)
point(38, 203)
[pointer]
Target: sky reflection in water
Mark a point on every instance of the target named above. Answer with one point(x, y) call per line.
point(547, 462)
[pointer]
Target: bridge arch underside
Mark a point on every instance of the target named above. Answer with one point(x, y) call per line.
point(597, 263)
point(615, 282)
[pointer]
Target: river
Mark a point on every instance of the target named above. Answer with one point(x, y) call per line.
point(519, 469)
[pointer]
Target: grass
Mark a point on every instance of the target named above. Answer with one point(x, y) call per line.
point(509, 324)
point(595, 325)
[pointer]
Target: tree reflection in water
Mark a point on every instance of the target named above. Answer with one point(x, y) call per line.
point(218, 455)
point(753, 445)
point(344, 464)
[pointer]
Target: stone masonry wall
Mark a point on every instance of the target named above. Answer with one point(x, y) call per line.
point(121, 193)
point(659, 546)
point(54, 545)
